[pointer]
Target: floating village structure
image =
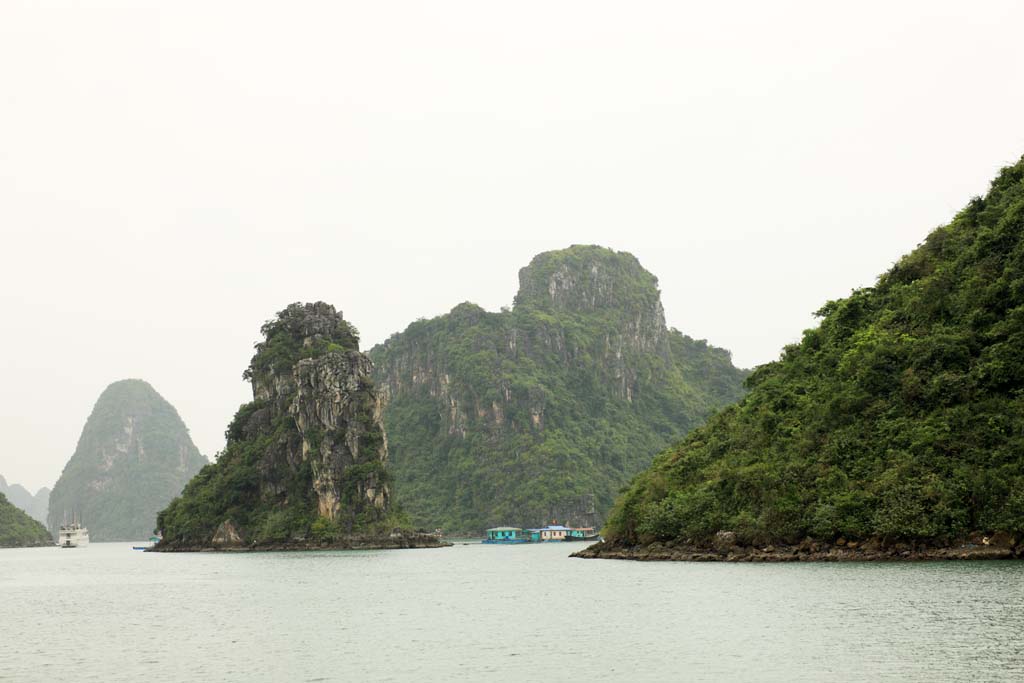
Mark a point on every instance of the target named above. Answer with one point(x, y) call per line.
point(552, 532)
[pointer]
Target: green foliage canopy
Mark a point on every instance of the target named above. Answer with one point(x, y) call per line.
point(900, 416)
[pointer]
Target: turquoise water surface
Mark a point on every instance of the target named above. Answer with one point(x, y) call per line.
point(513, 613)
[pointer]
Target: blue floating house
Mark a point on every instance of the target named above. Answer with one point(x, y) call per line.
point(552, 532)
point(506, 534)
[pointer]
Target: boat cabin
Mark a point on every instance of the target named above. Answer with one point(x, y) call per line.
point(552, 532)
point(501, 534)
point(580, 532)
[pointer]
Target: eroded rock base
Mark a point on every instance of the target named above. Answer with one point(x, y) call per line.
point(807, 551)
point(393, 541)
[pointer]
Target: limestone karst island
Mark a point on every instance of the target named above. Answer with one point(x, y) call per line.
point(306, 461)
point(542, 412)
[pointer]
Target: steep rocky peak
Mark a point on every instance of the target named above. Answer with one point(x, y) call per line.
point(307, 324)
point(309, 370)
point(597, 280)
point(128, 390)
point(300, 331)
point(588, 278)
point(315, 320)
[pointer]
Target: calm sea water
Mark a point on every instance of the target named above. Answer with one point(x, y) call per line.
point(516, 613)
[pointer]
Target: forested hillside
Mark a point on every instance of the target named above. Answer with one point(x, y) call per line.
point(509, 417)
point(901, 416)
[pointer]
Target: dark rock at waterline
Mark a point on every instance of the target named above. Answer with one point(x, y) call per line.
point(998, 547)
point(229, 539)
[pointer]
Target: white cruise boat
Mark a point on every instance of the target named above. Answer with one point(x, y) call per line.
point(73, 535)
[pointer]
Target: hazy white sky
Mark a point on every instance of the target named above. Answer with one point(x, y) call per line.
point(171, 174)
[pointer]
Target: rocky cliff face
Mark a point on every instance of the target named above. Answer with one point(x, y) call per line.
point(334, 401)
point(593, 281)
point(335, 411)
point(133, 457)
point(35, 506)
point(498, 418)
point(306, 460)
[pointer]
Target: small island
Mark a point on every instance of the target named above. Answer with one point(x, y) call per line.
point(305, 465)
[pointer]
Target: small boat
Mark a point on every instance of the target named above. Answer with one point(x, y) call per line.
point(73, 535)
point(153, 540)
point(587, 533)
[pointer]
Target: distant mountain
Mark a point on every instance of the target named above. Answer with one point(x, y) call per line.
point(18, 530)
point(133, 457)
point(543, 411)
point(899, 419)
point(36, 506)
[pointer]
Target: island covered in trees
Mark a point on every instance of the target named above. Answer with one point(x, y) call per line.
point(894, 429)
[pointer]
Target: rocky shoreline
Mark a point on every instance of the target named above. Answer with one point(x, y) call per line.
point(393, 541)
point(723, 548)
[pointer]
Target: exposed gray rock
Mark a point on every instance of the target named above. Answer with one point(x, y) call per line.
point(331, 401)
point(227, 536)
point(724, 540)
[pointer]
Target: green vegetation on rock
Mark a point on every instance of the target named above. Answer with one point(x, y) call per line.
point(134, 455)
point(305, 461)
point(900, 417)
point(18, 530)
point(500, 418)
